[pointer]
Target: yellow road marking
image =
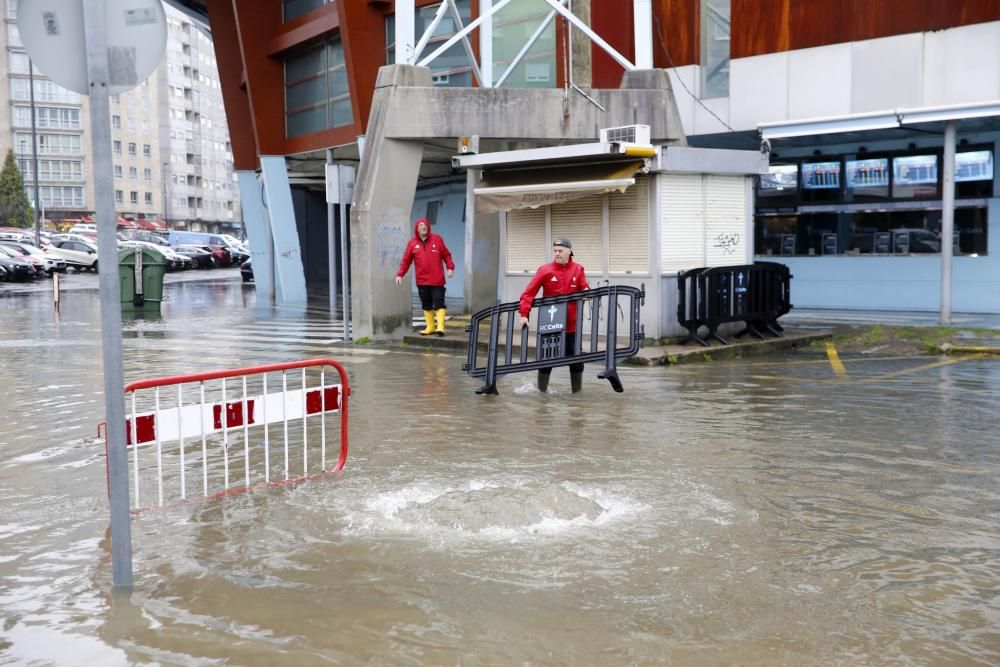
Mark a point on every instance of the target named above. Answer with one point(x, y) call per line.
point(835, 362)
point(917, 369)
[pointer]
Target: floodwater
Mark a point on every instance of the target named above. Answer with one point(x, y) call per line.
point(762, 512)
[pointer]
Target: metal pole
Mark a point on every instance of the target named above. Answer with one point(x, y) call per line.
point(344, 256)
point(34, 157)
point(331, 259)
point(405, 32)
point(947, 219)
point(642, 20)
point(165, 195)
point(486, 45)
point(111, 318)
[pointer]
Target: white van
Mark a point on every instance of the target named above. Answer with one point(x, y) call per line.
point(84, 228)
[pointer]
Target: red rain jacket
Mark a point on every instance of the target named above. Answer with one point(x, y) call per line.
point(427, 257)
point(556, 279)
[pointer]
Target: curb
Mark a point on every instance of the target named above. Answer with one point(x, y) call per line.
point(948, 348)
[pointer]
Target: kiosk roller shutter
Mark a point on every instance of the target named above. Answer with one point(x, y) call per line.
point(526, 249)
point(628, 238)
point(582, 222)
point(682, 223)
point(725, 221)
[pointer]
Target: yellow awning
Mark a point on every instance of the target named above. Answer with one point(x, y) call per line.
point(507, 189)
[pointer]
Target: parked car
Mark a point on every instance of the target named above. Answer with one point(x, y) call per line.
point(174, 261)
point(3, 274)
point(221, 255)
point(16, 269)
point(84, 228)
point(78, 254)
point(202, 257)
point(37, 265)
point(246, 271)
point(71, 237)
point(53, 263)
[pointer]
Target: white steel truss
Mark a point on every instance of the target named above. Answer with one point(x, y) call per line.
point(408, 52)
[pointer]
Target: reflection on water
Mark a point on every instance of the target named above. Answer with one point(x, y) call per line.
point(727, 513)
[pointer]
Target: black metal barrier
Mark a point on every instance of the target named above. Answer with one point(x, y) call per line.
point(757, 294)
point(550, 346)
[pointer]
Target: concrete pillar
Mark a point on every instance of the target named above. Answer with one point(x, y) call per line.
point(380, 213)
point(259, 235)
point(289, 274)
point(482, 251)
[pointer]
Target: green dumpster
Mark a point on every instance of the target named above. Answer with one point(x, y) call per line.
point(145, 293)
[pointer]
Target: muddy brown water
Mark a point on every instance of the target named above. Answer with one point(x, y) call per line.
point(750, 512)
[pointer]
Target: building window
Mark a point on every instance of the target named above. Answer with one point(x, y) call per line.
point(296, 8)
point(451, 68)
point(48, 118)
point(147, 151)
point(49, 144)
point(147, 174)
point(149, 198)
point(117, 147)
point(512, 27)
point(116, 122)
point(119, 197)
point(133, 197)
point(133, 173)
point(131, 148)
point(715, 48)
point(317, 96)
point(118, 171)
point(872, 204)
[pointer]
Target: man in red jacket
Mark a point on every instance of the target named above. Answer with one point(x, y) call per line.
point(427, 252)
point(561, 276)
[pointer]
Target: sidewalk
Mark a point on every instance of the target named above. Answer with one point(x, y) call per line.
point(457, 339)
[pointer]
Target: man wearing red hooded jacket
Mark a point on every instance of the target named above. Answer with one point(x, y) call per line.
point(427, 251)
point(561, 276)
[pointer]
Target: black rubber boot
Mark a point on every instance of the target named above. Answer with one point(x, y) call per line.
point(576, 381)
point(543, 381)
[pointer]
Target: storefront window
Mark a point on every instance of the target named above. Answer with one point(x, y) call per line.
point(715, 48)
point(860, 204)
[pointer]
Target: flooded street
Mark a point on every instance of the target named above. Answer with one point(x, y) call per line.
point(754, 512)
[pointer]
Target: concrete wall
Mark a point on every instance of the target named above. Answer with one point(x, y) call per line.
point(955, 66)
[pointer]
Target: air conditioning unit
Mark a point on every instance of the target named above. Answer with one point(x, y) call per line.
point(628, 134)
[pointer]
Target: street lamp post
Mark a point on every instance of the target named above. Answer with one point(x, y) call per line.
point(34, 156)
point(165, 195)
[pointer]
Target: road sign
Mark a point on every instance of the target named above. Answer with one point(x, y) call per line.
point(53, 35)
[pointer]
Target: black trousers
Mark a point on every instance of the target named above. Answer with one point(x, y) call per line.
point(570, 349)
point(431, 296)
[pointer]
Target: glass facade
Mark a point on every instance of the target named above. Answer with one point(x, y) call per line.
point(451, 68)
point(860, 204)
point(513, 26)
point(317, 95)
point(296, 8)
point(715, 17)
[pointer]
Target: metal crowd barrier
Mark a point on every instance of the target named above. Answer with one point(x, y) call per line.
point(756, 294)
point(187, 434)
point(549, 348)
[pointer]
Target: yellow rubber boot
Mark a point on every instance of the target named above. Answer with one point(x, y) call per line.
point(440, 321)
point(429, 318)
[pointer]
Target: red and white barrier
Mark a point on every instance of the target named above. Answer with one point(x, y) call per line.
point(196, 423)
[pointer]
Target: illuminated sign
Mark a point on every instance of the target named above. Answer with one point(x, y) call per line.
point(915, 169)
point(780, 177)
point(974, 166)
point(820, 175)
point(873, 173)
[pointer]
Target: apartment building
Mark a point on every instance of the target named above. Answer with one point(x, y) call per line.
point(172, 164)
